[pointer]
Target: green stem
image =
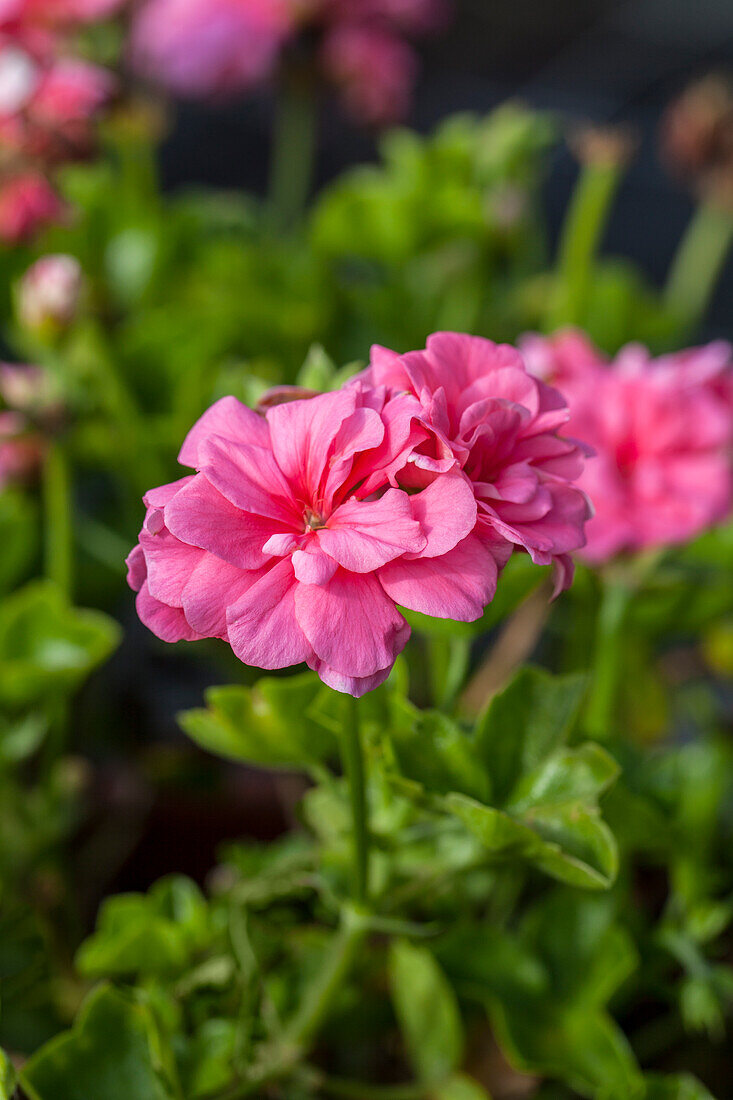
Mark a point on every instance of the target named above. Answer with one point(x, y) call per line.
point(601, 712)
point(697, 263)
point(57, 506)
point(352, 756)
point(582, 231)
point(293, 152)
point(300, 1033)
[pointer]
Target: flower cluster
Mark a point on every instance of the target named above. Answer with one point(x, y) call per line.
point(661, 429)
point(49, 100)
point(200, 48)
point(305, 529)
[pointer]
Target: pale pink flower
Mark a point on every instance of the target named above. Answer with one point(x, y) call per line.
point(662, 431)
point(28, 204)
point(503, 427)
point(49, 292)
point(285, 542)
point(374, 69)
point(209, 47)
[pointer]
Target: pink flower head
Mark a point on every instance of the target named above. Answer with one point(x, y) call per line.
point(374, 69)
point(503, 428)
point(661, 429)
point(28, 204)
point(203, 48)
point(294, 543)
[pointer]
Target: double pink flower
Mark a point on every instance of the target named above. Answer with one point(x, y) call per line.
point(661, 430)
point(303, 531)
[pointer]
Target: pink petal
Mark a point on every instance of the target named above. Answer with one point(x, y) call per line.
point(229, 419)
point(446, 512)
point(167, 623)
point(362, 535)
point(311, 565)
point(249, 478)
point(351, 624)
point(137, 571)
point(212, 587)
point(169, 564)
point(262, 625)
point(351, 685)
point(456, 586)
point(201, 516)
point(158, 498)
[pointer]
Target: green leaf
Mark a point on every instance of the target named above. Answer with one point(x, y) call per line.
point(8, 1079)
point(46, 646)
point(157, 933)
point(460, 1087)
point(553, 820)
point(427, 1011)
point(678, 1086)
point(110, 1054)
point(273, 724)
point(434, 751)
point(524, 724)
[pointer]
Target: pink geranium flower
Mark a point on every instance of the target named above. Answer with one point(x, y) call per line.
point(662, 431)
point(285, 541)
point(503, 428)
point(209, 47)
point(28, 204)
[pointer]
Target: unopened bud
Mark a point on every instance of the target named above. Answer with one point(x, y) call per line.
point(283, 395)
point(696, 133)
point(49, 294)
point(601, 145)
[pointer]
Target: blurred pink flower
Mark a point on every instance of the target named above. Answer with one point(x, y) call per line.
point(49, 292)
point(662, 430)
point(503, 427)
point(28, 204)
point(47, 106)
point(20, 450)
point(209, 47)
point(51, 13)
point(375, 70)
point(408, 15)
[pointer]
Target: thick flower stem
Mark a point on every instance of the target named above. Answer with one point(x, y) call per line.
point(352, 756)
point(582, 230)
point(293, 152)
point(58, 550)
point(601, 711)
point(697, 264)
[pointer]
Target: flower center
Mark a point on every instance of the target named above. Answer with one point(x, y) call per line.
point(313, 520)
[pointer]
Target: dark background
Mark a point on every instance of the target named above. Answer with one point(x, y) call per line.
point(603, 60)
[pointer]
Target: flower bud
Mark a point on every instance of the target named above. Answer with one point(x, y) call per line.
point(49, 294)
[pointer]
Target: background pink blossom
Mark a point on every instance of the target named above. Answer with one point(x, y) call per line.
point(209, 47)
point(661, 430)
